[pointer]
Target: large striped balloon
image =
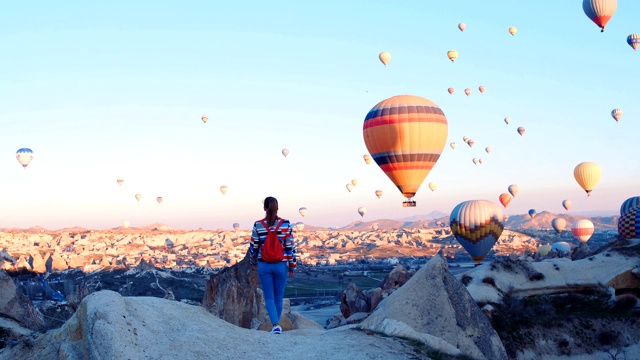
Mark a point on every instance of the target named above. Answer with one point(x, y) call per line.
point(582, 230)
point(405, 135)
point(629, 203)
point(477, 225)
point(600, 11)
point(629, 224)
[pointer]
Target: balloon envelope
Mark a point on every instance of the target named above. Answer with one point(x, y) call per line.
point(544, 249)
point(587, 174)
point(488, 150)
point(462, 26)
point(558, 224)
point(138, 196)
point(379, 193)
point(467, 91)
point(505, 199)
point(561, 247)
point(452, 55)
point(616, 114)
point(629, 204)
point(433, 186)
point(125, 224)
point(120, 181)
point(521, 130)
point(299, 226)
point(532, 213)
point(362, 210)
point(406, 160)
point(204, 118)
point(285, 152)
point(303, 211)
point(236, 226)
point(599, 11)
point(633, 40)
point(582, 230)
point(453, 145)
point(450, 90)
point(629, 224)
point(354, 182)
point(477, 225)
point(507, 120)
point(566, 204)
point(349, 187)
point(367, 159)
point(384, 57)
point(159, 199)
point(513, 189)
point(374, 227)
point(513, 30)
point(470, 142)
point(481, 88)
point(24, 156)
point(224, 189)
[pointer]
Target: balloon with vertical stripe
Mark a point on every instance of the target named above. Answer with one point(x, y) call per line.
point(405, 135)
point(600, 11)
point(477, 225)
point(587, 175)
point(629, 203)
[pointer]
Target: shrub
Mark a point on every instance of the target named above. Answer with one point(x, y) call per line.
point(489, 280)
point(466, 279)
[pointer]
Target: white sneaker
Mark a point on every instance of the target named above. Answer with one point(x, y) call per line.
point(276, 329)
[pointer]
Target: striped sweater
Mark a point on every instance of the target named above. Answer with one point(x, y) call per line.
point(259, 235)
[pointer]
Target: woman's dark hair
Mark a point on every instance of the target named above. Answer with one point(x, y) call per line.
point(271, 207)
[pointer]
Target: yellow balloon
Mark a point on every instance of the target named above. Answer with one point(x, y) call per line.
point(513, 30)
point(384, 57)
point(452, 55)
point(587, 175)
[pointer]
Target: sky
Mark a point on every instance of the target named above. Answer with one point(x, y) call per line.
point(102, 90)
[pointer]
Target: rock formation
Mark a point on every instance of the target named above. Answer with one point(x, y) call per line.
point(16, 311)
point(434, 308)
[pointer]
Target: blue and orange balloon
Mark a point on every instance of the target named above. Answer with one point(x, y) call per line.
point(477, 225)
point(405, 135)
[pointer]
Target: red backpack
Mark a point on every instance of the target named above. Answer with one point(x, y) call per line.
point(272, 250)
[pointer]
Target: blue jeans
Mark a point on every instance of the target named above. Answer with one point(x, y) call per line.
point(273, 277)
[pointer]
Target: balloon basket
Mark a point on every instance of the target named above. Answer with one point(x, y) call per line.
point(409, 203)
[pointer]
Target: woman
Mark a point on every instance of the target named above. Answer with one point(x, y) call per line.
point(273, 275)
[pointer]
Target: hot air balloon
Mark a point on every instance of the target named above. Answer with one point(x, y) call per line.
point(384, 57)
point(450, 90)
point(465, 138)
point(452, 55)
point(513, 189)
point(236, 226)
point(224, 189)
point(299, 226)
point(629, 224)
point(24, 156)
point(285, 152)
point(582, 230)
point(481, 88)
point(558, 224)
point(505, 218)
point(406, 160)
point(204, 118)
point(349, 187)
point(120, 181)
point(462, 26)
point(587, 175)
point(433, 186)
point(367, 159)
point(374, 227)
point(544, 249)
point(521, 130)
point(532, 213)
point(467, 91)
point(453, 145)
point(629, 204)
point(362, 210)
point(561, 247)
point(159, 199)
point(379, 193)
point(475, 161)
point(138, 196)
point(616, 114)
point(477, 225)
point(633, 40)
point(505, 199)
point(599, 11)
point(354, 182)
point(470, 142)
point(303, 211)
point(513, 30)
point(481, 161)
point(507, 120)
point(566, 204)
point(488, 150)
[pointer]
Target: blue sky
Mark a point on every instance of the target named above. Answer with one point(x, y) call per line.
point(116, 89)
